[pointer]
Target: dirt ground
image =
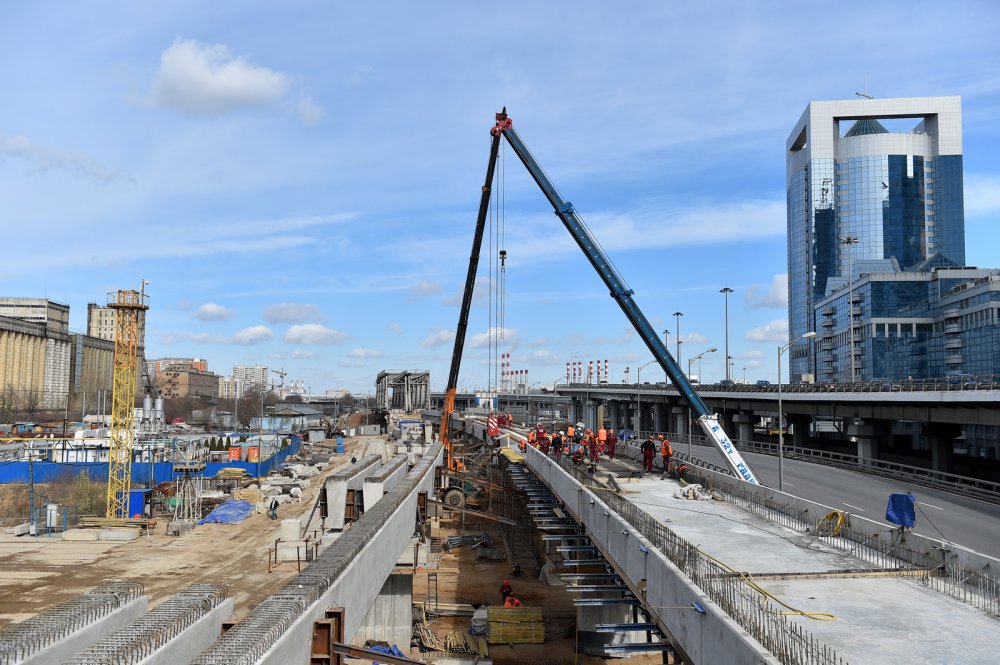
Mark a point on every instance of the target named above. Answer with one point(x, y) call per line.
point(38, 573)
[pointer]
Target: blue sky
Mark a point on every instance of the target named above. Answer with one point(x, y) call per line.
point(299, 181)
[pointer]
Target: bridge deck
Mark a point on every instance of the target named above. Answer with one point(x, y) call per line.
point(877, 619)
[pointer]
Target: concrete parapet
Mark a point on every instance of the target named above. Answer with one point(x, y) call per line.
point(118, 534)
point(709, 637)
point(81, 535)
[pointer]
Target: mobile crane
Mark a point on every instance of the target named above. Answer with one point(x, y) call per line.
point(612, 279)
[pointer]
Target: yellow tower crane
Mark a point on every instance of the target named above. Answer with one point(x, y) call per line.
point(127, 305)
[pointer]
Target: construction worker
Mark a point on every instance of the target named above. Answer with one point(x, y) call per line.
point(577, 455)
point(648, 448)
point(612, 443)
point(557, 444)
point(505, 590)
point(666, 452)
point(531, 438)
point(592, 446)
point(570, 431)
point(511, 601)
point(677, 469)
point(543, 442)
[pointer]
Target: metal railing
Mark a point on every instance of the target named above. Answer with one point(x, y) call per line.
point(987, 490)
point(788, 642)
point(945, 384)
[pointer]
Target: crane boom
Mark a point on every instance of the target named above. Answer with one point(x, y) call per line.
point(619, 291)
point(463, 317)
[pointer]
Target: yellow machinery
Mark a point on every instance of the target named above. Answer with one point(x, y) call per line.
point(127, 305)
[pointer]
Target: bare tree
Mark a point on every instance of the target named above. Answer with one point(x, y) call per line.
point(10, 404)
point(31, 401)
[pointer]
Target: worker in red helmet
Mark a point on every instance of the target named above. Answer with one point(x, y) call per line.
point(505, 590)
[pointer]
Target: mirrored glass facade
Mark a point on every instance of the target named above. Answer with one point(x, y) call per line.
point(899, 193)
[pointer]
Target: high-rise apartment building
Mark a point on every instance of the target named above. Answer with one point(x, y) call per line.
point(886, 173)
point(251, 376)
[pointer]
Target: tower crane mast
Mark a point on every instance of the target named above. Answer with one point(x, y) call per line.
point(128, 304)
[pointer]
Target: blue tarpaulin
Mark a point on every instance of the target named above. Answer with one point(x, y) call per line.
point(389, 651)
point(230, 512)
point(901, 510)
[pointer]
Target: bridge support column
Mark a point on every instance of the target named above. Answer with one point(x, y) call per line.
point(680, 415)
point(614, 413)
point(869, 435)
point(590, 415)
point(660, 414)
point(390, 617)
point(800, 426)
point(941, 438)
point(726, 419)
point(574, 410)
point(743, 426)
point(592, 643)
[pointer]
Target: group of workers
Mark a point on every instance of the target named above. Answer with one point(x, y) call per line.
point(588, 446)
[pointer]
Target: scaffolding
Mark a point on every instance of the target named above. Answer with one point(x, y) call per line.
point(128, 305)
point(408, 390)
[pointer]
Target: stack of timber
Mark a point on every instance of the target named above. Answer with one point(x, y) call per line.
point(460, 642)
point(516, 625)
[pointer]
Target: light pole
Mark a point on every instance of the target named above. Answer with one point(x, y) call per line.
point(677, 331)
point(849, 242)
point(781, 416)
point(726, 291)
point(638, 395)
point(690, 362)
point(666, 345)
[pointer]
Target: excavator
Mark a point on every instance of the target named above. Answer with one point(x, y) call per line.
point(619, 290)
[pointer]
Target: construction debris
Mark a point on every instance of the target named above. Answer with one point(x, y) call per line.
point(516, 625)
point(426, 638)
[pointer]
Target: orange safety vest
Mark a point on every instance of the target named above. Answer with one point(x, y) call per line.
point(665, 449)
point(570, 431)
point(602, 435)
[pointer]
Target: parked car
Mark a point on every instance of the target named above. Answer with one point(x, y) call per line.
point(763, 382)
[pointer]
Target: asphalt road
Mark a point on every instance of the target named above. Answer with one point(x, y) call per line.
point(962, 520)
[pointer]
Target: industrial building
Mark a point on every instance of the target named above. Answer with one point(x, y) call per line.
point(35, 349)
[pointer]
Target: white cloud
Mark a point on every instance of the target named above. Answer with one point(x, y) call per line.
point(775, 331)
point(313, 333)
point(982, 193)
point(310, 113)
point(213, 312)
point(750, 355)
point(46, 159)
point(252, 335)
point(209, 78)
point(180, 337)
point(365, 353)
point(292, 312)
point(776, 296)
point(482, 340)
point(480, 292)
point(438, 338)
point(423, 289)
point(396, 328)
point(544, 357)
point(694, 338)
point(302, 354)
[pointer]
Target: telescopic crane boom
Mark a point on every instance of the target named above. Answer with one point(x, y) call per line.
point(612, 279)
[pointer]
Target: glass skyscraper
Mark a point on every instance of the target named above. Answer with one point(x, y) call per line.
point(897, 191)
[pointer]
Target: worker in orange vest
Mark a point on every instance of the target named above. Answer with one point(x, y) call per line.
point(512, 602)
point(592, 446)
point(666, 452)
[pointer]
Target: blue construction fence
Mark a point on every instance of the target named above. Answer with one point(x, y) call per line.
point(47, 472)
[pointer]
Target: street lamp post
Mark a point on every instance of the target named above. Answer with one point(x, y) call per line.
point(638, 395)
point(781, 415)
point(677, 331)
point(726, 291)
point(690, 362)
point(849, 242)
point(666, 345)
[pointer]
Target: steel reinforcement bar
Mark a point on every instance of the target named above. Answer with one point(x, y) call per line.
point(19, 641)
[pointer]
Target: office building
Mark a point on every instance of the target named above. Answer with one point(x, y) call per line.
point(886, 172)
